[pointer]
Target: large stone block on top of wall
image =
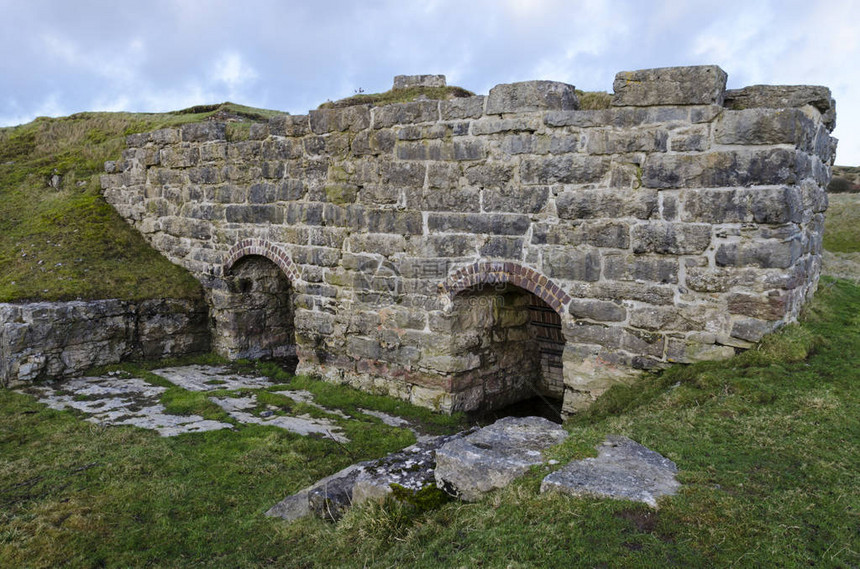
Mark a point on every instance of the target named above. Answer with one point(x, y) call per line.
point(696, 85)
point(531, 96)
point(783, 97)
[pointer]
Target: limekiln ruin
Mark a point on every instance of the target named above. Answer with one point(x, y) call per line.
point(467, 253)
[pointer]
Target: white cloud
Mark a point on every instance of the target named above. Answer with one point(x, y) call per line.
point(164, 55)
point(16, 113)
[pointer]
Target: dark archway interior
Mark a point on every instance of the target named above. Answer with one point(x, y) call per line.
point(259, 314)
point(518, 339)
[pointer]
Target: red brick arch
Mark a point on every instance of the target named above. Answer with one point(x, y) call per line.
point(500, 272)
point(263, 248)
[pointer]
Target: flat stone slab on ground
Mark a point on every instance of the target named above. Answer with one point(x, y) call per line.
point(495, 455)
point(240, 409)
point(624, 469)
point(117, 400)
point(412, 468)
point(306, 397)
point(211, 378)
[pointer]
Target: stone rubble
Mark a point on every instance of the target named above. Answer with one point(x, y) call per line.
point(494, 456)
point(624, 470)
point(411, 468)
point(471, 463)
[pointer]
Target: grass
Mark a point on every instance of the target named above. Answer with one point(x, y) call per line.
point(842, 224)
point(59, 239)
point(588, 100)
point(593, 100)
point(766, 443)
point(398, 96)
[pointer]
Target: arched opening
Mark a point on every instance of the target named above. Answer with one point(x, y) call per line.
point(253, 311)
point(515, 340)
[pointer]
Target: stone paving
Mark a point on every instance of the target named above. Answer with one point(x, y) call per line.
point(119, 399)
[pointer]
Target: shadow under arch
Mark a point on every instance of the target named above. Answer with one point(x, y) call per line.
point(506, 325)
point(253, 310)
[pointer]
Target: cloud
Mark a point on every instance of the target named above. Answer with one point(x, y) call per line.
point(170, 54)
point(231, 71)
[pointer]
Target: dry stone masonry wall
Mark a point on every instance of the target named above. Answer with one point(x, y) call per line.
point(45, 340)
point(468, 252)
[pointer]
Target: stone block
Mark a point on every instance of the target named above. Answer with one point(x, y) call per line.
point(691, 139)
point(407, 81)
point(490, 174)
point(670, 238)
point(352, 119)
point(462, 108)
point(255, 214)
point(403, 174)
point(581, 332)
point(740, 205)
point(515, 200)
point(613, 141)
point(289, 125)
point(751, 329)
point(494, 125)
point(165, 136)
point(784, 97)
point(624, 470)
point(309, 213)
point(531, 96)
point(432, 398)
point(502, 247)
point(770, 253)
point(599, 310)
point(694, 85)
point(405, 113)
point(444, 176)
point(690, 351)
point(466, 150)
point(571, 265)
point(491, 223)
point(204, 131)
point(494, 456)
point(400, 222)
point(179, 156)
point(770, 306)
point(425, 150)
point(765, 126)
point(641, 268)
point(564, 169)
point(768, 166)
point(620, 117)
point(590, 204)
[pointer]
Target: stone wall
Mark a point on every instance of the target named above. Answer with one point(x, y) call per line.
point(61, 339)
point(679, 224)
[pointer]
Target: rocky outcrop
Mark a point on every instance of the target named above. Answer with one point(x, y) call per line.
point(624, 469)
point(493, 457)
point(63, 339)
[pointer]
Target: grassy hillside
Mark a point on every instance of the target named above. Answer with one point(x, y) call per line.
point(767, 443)
point(842, 224)
point(846, 179)
point(59, 239)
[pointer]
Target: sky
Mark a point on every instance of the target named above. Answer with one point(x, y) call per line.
point(65, 56)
